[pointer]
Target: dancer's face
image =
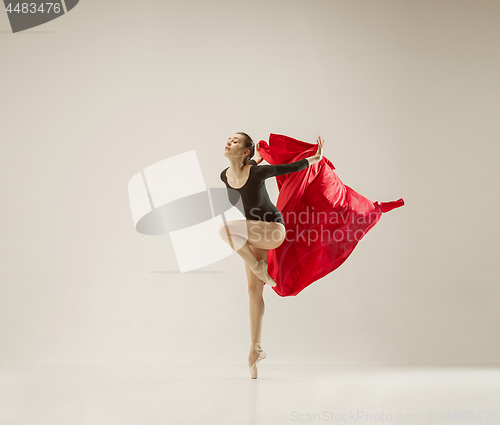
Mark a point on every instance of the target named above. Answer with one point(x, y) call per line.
point(234, 146)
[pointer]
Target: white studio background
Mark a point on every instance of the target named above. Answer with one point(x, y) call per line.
point(406, 95)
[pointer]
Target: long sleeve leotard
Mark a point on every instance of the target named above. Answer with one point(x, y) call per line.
point(256, 202)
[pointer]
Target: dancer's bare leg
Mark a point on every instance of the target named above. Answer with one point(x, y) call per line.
point(242, 248)
point(252, 239)
point(256, 301)
point(241, 234)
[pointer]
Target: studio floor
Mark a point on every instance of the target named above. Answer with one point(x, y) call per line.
point(225, 394)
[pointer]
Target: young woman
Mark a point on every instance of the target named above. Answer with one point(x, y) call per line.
point(263, 229)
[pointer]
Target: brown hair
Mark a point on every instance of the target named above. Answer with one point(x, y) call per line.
point(248, 144)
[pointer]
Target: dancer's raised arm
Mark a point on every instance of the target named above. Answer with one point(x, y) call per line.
point(263, 172)
point(266, 171)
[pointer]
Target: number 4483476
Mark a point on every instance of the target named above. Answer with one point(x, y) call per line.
point(32, 8)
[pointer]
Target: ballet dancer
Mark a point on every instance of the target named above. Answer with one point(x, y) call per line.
point(264, 227)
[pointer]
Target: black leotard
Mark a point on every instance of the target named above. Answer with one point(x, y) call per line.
point(254, 196)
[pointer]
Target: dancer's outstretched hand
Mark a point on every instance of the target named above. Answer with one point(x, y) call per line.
point(319, 152)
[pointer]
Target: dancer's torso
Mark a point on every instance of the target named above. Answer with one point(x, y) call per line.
point(256, 202)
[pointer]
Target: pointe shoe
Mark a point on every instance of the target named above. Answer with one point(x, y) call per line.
point(261, 272)
point(253, 368)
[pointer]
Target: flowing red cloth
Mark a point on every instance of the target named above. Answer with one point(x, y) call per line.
point(325, 219)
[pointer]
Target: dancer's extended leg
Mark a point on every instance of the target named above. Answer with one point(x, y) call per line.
point(255, 290)
point(256, 304)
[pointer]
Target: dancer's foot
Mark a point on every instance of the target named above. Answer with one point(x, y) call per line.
point(261, 272)
point(256, 355)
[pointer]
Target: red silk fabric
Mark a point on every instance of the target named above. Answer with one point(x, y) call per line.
point(324, 218)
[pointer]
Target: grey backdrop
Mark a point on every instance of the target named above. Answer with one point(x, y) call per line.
point(406, 95)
